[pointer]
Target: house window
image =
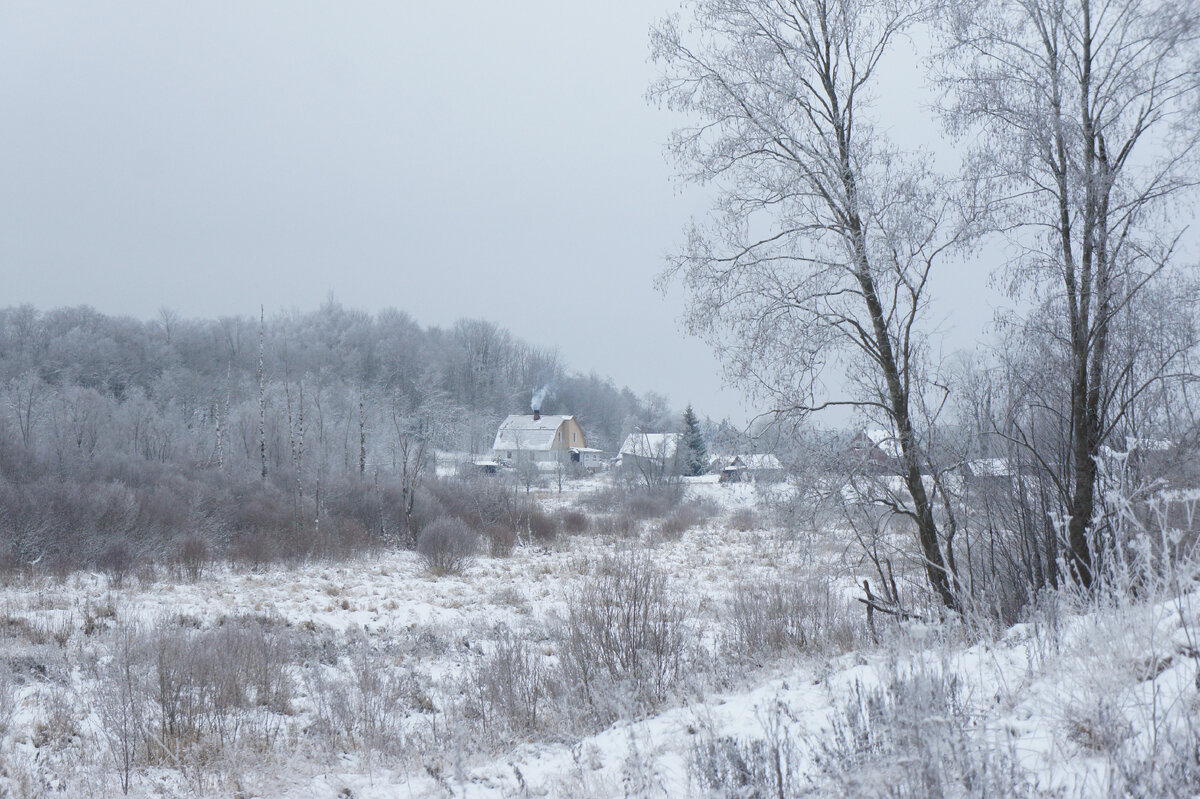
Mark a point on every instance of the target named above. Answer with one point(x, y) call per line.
point(574, 436)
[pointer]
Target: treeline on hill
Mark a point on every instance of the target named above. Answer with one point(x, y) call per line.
point(299, 435)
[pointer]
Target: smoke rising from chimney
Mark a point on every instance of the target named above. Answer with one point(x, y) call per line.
point(541, 395)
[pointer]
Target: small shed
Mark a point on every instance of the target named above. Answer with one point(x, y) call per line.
point(759, 466)
point(589, 458)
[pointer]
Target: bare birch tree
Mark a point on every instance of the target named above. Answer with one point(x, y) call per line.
point(1085, 114)
point(824, 239)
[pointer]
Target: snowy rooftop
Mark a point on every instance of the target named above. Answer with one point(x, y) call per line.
point(651, 445)
point(888, 444)
point(763, 461)
point(526, 433)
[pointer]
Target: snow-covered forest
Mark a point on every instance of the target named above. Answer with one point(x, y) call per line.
point(287, 437)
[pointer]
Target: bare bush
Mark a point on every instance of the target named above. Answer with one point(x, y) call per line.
point(730, 767)
point(620, 524)
point(574, 522)
point(58, 722)
point(428, 507)
point(366, 708)
point(684, 518)
point(744, 520)
point(775, 616)
point(482, 502)
point(213, 688)
point(122, 699)
point(501, 540)
point(735, 767)
point(604, 500)
point(653, 502)
point(912, 737)
point(624, 636)
point(8, 700)
point(194, 557)
point(641, 502)
point(448, 545)
point(510, 689)
point(116, 561)
point(252, 549)
point(543, 527)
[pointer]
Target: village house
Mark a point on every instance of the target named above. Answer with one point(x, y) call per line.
point(651, 454)
point(739, 468)
point(544, 439)
point(877, 449)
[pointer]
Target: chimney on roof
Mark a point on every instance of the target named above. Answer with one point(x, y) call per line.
point(536, 414)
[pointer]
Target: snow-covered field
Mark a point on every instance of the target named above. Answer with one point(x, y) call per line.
point(375, 678)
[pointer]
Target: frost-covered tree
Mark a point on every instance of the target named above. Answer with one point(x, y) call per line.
point(824, 238)
point(1085, 116)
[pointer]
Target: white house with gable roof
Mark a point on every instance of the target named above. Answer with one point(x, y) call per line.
point(541, 439)
point(653, 455)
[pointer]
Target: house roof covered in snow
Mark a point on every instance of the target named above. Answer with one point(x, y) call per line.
point(763, 461)
point(760, 462)
point(524, 433)
point(651, 445)
point(888, 444)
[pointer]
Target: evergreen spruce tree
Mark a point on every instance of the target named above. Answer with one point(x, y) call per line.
point(695, 454)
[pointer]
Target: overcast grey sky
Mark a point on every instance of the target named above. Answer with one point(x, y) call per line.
point(475, 159)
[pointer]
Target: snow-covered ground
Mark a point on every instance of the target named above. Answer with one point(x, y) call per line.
point(1079, 701)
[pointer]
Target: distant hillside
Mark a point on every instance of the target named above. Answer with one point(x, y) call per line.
point(113, 428)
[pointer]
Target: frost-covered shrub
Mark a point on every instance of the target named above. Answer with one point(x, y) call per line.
point(748, 766)
point(378, 507)
point(729, 767)
point(481, 501)
point(116, 561)
point(684, 518)
point(771, 617)
point(512, 690)
point(252, 549)
point(604, 500)
point(621, 524)
point(653, 502)
point(573, 522)
point(625, 636)
point(542, 526)
point(912, 736)
point(448, 545)
point(193, 557)
point(640, 501)
point(8, 699)
point(429, 506)
point(500, 540)
point(123, 699)
point(744, 520)
point(364, 709)
point(171, 693)
point(224, 682)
